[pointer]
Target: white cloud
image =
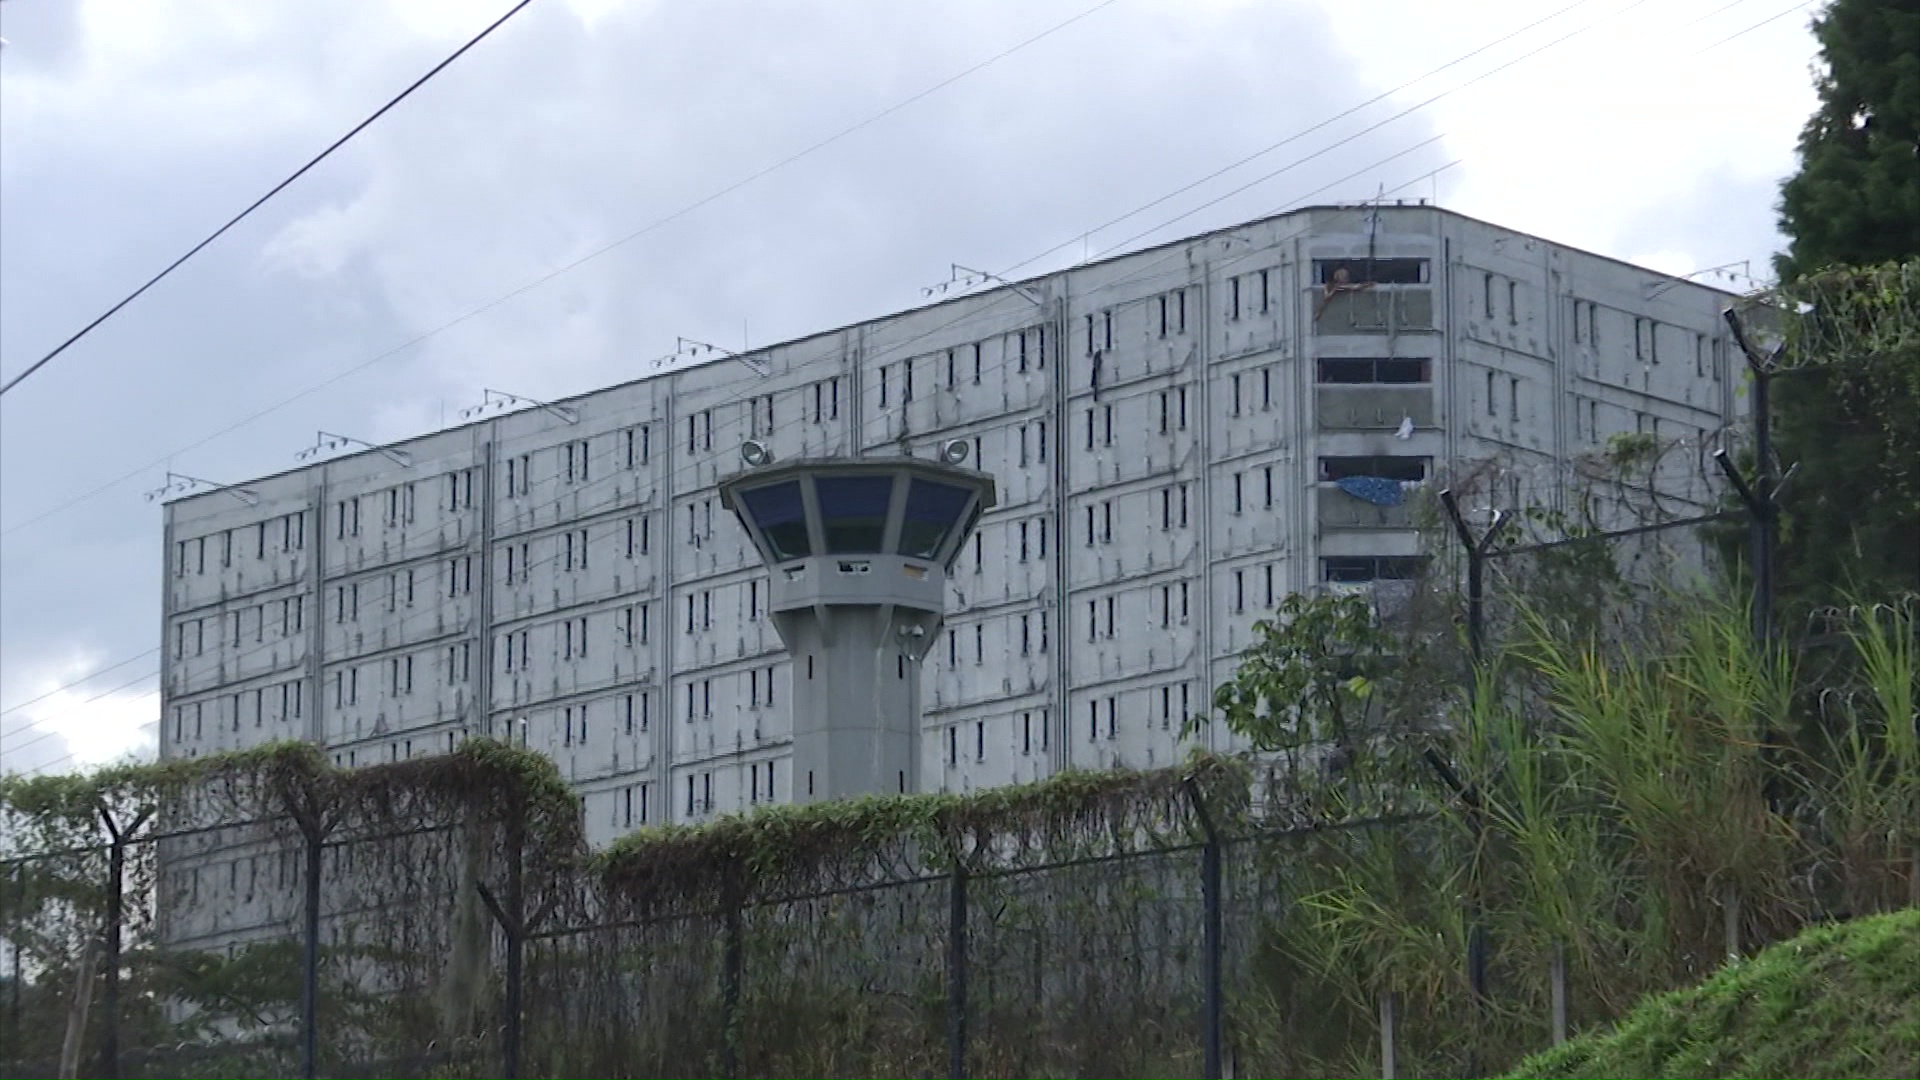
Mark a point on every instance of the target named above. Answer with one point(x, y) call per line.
point(131, 127)
point(109, 716)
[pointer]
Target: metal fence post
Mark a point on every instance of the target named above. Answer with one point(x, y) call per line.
point(310, 975)
point(1557, 975)
point(1759, 498)
point(1210, 875)
point(1389, 1067)
point(512, 918)
point(730, 973)
point(957, 971)
point(20, 901)
point(1478, 552)
point(116, 918)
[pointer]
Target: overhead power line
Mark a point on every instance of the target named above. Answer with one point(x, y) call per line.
point(19, 745)
point(262, 200)
point(1635, 4)
point(77, 683)
point(537, 282)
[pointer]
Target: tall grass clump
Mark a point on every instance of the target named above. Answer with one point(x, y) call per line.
point(1644, 811)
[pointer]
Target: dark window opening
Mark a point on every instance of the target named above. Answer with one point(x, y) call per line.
point(1385, 466)
point(1382, 369)
point(1363, 568)
point(1370, 271)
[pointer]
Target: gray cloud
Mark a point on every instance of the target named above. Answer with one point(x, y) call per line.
point(122, 142)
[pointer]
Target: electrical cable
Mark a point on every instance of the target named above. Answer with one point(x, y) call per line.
point(897, 347)
point(693, 468)
point(690, 469)
point(104, 693)
point(552, 274)
point(77, 682)
point(543, 279)
point(262, 200)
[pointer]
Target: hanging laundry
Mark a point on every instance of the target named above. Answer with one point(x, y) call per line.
point(1377, 490)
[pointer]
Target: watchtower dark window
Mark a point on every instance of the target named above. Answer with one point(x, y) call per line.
point(853, 512)
point(782, 517)
point(932, 510)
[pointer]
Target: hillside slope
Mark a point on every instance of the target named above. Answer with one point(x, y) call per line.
point(1841, 1000)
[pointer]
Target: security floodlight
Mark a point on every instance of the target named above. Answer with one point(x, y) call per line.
point(857, 551)
point(755, 453)
point(954, 451)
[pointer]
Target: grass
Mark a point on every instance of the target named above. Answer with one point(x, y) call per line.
point(1838, 1000)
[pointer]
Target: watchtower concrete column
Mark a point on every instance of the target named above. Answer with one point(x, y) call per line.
point(857, 550)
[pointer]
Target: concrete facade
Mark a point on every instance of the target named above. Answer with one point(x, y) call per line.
point(1166, 429)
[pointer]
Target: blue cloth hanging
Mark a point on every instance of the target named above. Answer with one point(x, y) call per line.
point(1377, 490)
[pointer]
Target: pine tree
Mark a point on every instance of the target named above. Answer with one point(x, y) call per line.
point(1851, 523)
point(1856, 197)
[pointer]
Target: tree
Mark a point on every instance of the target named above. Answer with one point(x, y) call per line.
point(1851, 522)
point(1328, 685)
point(1856, 197)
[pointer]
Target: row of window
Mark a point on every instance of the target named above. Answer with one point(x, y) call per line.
point(574, 460)
point(632, 715)
point(288, 533)
point(1036, 636)
point(760, 693)
point(1034, 726)
point(280, 618)
point(1165, 705)
point(278, 703)
point(1707, 352)
point(399, 503)
point(640, 795)
point(1025, 350)
point(402, 588)
point(1108, 709)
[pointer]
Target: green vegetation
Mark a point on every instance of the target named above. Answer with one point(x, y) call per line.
point(1620, 814)
point(1839, 1000)
point(779, 851)
point(1856, 196)
point(1849, 416)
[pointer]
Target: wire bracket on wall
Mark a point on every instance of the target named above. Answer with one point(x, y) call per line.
point(685, 348)
point(182, 484)
point(501, 401)
point(323, 441)
point(960, 279)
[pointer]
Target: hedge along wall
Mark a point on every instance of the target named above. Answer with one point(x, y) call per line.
point(833, 918)
point(212, 956)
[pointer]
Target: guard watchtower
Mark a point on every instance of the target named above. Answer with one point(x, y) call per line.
point(857, 550)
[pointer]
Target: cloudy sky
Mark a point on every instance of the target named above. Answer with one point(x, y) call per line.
point(658, 169)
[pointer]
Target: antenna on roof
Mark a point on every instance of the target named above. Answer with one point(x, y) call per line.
point(1373, 227)
point(326, 440)
point(962, 278)
point(501, 401)
point(181, 484)
point(687, 347)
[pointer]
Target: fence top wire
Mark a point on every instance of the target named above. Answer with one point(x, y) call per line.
point(976, 874)
point(1616, 534)
point(106, 846)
